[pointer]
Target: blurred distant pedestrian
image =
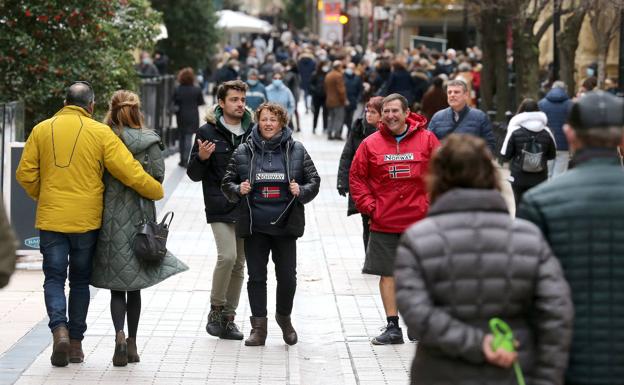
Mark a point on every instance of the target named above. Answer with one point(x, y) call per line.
point(336, 100)
point(7, 247)
point(256, 93)
point(556, 105)
point(434, 99)
point(317, 90)
point(187, 97)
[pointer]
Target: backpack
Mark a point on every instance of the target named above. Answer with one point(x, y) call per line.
point(532, 159)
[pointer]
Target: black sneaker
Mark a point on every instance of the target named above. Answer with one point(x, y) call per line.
point(230, 330)
point(392, 335)
point(411, 335)
point(214, 327)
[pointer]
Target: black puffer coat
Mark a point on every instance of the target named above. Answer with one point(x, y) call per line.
point(360, 130)
point(211, 171)
point(466, 263)
point(299, 166)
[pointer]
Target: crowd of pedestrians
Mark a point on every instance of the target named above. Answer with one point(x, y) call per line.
point(418, 164)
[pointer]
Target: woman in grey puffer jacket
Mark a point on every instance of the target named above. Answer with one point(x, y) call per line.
point(468, 262)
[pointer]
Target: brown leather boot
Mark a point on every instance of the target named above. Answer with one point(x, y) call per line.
point(120, 358)
point(258, 331)
point(133, 353)
point(60, 347)
point(76, 354)
point(288, 331)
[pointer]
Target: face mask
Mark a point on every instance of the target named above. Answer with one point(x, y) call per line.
point(252, 82)
point(146, 61)
point(277, 82)
point(236, 68)
point(325, 69)
point(322, 57)
point(590, 72)
point(349, 71)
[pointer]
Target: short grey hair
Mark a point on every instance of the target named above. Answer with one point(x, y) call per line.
point(559, 84)
point(80, 94)
point(457, 83)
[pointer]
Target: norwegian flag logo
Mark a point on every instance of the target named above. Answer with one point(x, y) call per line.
point(399, 171)
point(271, 192)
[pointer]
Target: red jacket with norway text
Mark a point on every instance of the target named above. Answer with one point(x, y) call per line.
point(386, 179)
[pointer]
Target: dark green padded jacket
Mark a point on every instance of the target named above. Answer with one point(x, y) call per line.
point(114, 264)
point(581, 214)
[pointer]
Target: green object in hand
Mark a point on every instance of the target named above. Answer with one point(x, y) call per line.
point(504, 339)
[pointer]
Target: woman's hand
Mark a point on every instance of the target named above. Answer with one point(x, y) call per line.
point(294, 188)
point(500, 357)
point(245, 187)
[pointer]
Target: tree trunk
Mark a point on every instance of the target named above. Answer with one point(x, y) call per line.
point(603, 51)
point(526, 61)
point(568, 43)
point(489, 64)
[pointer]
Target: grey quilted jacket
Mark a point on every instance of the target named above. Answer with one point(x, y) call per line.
point(114, 264)
point(466, 263)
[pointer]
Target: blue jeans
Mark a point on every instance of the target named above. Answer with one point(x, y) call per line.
point(60, 251)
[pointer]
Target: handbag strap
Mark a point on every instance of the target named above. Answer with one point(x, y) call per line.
point(141, 199)
point(169, 215)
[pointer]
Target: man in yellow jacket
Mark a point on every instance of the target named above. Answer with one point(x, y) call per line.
point(61, 168)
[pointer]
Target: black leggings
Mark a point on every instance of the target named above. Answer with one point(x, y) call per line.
point(284, 253)
point(119, 307)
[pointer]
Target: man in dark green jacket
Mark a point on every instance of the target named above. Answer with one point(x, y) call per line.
point(581, 213)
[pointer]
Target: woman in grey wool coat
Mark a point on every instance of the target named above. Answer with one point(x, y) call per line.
point(468, 261)
point(115, 266)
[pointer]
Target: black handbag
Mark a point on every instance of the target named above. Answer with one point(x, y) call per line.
point(150, 240)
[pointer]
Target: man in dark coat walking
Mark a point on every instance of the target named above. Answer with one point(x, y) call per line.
point(581, 215)
point(228, 125)
point(459, 118)
point(556, 105)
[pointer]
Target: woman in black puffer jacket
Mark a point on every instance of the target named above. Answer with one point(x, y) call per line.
point(361, 128)
point(468, 262)
point(275, 176)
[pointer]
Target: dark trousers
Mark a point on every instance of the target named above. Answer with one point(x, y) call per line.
point(185, 147)
point(284, 253)
point(317, 104)
point(349, 111)
point(365, 230)
point(63, 251)
point(518, 192)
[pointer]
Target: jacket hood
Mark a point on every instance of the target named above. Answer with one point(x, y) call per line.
point(414, 122)
point(139, 140)
point(214, 112)
point(468, 199)
point(274, 142)
point(557, 95)
point(361, 126)
point(534, 121)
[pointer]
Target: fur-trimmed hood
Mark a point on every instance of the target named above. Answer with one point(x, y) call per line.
point(214, 110)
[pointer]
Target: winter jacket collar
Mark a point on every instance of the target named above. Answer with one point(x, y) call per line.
point(557, 95)
point(414, 122)
point(592, 155)
point(214, 113)
point(468, 199)
point(534, 121)
point(362, 128)
point(73, 110)
point(139, 139)
point(280, 139)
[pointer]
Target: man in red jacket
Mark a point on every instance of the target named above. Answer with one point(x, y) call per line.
point(387, 183)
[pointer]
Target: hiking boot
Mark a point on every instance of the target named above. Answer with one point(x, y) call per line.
point(133, 354)
point(288, 331)
point(230, 330)
point(120, 358)
point(392, 335)
point(214, 327)
point(60, 346)
point(76, 355)
point(258, 331)
point(411, 335)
